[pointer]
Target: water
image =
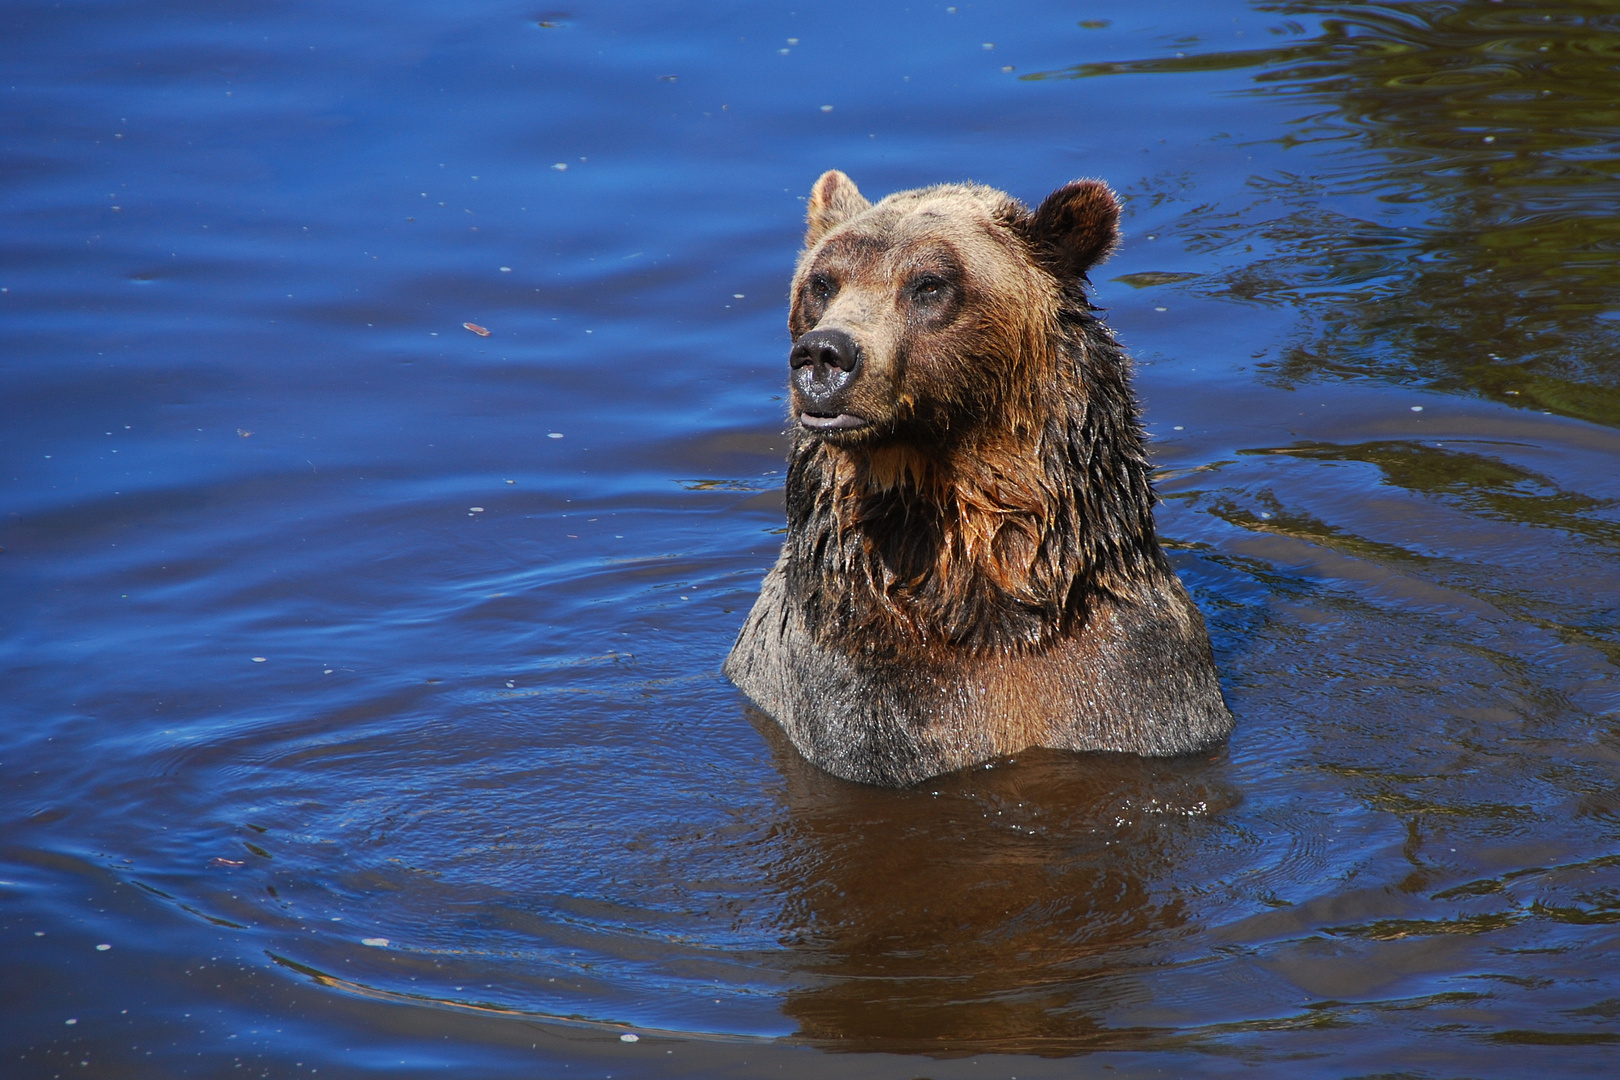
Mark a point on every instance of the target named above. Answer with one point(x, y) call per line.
point(360, 672)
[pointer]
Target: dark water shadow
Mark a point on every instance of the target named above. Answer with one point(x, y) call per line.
point(1009, 907)
point(1458, 230)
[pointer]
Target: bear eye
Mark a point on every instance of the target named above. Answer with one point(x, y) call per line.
point(929, 288)
point(821, 286)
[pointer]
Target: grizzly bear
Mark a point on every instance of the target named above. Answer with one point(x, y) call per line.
point(970, 566)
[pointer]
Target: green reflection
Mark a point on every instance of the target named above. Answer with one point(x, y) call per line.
point(1150, 278)
point(1502, 121)
point(1483, 485)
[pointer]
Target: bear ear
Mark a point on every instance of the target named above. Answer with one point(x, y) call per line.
point(834, 200)
point(1075, 228)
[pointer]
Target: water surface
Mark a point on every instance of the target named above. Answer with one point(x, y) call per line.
point(360, 672)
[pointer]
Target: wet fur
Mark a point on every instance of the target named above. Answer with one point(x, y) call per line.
point(976, 571)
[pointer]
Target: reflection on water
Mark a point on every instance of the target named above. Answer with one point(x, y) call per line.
point(1481, 485)
point(1499, 124)
point(1013, 907)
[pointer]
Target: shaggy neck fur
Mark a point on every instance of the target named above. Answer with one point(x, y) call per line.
point(1001, 537)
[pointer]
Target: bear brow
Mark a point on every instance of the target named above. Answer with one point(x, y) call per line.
point(929, 254)
point(851, 247)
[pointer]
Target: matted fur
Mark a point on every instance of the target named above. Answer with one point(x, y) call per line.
point(972, 569)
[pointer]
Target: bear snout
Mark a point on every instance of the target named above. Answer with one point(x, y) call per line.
point(825, 364)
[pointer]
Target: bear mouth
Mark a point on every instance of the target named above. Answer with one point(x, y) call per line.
point(841, 422)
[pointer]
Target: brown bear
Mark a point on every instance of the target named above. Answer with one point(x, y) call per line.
point(970, 566)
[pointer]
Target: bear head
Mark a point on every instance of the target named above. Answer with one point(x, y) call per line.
point(918, 319)
point(967, 467)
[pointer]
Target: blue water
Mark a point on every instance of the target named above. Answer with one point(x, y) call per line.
point(359, 672)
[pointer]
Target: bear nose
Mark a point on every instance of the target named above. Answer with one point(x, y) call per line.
point(824, 363)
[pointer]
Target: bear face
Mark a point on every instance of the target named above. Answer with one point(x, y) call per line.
point(926, 318)
point(970, 565)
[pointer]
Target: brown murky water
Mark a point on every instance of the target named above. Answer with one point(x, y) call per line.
point(360, 673)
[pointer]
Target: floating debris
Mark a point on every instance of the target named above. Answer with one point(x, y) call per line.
point(375, 942)
point(475, 328)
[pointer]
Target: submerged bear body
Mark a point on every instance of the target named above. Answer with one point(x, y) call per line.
point(971, 566)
